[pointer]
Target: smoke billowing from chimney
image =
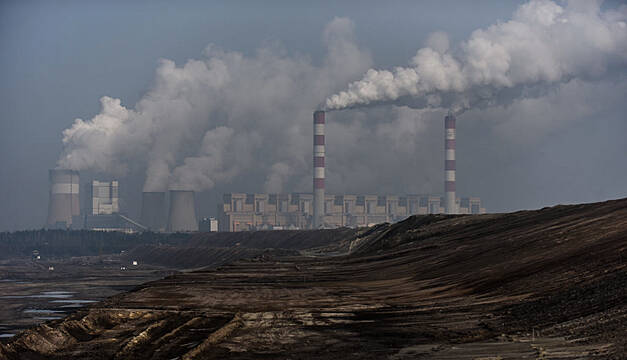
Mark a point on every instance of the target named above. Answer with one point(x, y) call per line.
point(207, 121)
point(543, 44)
point(229, 116)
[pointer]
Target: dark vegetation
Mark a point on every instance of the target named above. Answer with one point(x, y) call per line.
point(68, 243)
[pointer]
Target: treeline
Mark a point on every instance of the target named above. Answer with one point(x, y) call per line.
point(65, 243)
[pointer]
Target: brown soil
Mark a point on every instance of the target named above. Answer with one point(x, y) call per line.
point(548, 284)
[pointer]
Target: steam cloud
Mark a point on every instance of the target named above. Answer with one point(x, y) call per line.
point(544, 44)
point(207, 121)
point(228, 115)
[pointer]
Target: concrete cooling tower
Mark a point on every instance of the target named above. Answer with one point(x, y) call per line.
point(182, 215)
point(153, 210)
point(64, 198)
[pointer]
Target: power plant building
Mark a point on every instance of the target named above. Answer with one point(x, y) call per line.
point(64, 203)
point(450, 206)
point(244, 212)
point(153, 210)
point(318, 174)
point(104, 198)
point(182, 212)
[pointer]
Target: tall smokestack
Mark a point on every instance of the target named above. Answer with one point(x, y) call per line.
point(318, 174)
point(449, 164)
point(64, 197)
point(182, 215)
point(153, 210)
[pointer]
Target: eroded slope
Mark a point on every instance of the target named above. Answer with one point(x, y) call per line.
point(534, 284)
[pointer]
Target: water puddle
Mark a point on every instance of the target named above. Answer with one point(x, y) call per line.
point(72, 306)
point(48, 317)
point(58, 292)
point(43, 295)
point(7, 335)
point(42, 311)
point(75, 301)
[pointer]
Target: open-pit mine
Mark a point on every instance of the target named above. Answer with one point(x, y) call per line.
point(547, 284)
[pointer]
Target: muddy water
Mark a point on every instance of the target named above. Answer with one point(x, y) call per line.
point(30, 294)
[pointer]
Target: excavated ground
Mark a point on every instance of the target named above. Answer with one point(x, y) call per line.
point(31, 294)
point(547, 284)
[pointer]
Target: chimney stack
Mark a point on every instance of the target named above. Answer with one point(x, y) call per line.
point(318, 174)
point(153, 210)
point(64, 197)
point(449, 164)
point(182, 215)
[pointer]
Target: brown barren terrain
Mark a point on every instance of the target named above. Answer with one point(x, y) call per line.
point(548, 284)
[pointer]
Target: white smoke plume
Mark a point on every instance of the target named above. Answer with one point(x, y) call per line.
point(543, 44)
point(231, 118)
point(207, 121)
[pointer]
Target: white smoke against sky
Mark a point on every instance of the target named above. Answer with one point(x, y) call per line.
point(543, 44)
point(211, 119)
point(228, 116)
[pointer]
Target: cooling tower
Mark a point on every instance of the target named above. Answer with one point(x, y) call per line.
point(318, 174)
point(153, 210)
point(449, 164)
point(64, 197)
point(182, 215)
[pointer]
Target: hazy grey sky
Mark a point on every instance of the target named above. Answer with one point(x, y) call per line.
point(57, 59)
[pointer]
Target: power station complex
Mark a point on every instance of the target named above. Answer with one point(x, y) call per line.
point(245, 211)
point(241, 212)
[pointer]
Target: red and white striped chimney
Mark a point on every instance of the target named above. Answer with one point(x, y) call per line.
point(318, 174)
point(449, 164)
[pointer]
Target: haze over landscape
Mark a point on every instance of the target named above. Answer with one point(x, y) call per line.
point(218, 98)
point(313, 180)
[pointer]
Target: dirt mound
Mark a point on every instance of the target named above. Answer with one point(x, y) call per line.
point(283, 239)
point(532, 284)
point(185, 257)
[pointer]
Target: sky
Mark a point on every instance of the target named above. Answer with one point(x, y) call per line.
point(231, 86)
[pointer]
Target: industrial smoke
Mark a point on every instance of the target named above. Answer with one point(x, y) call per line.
point(543, 44)
point(209, 121)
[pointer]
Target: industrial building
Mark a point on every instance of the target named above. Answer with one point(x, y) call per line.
point(240, 211)
point(449, 164)
point(104, 198)
point(64, 203)
point(101, 207)
point(153, 210)
point(317, 210)
point(182, 212)
point(104, 213)
point(102, 210)
point(208, 224)
point(318, 169)
point(243, 212)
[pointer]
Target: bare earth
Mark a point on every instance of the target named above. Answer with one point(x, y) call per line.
point(547, 284)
